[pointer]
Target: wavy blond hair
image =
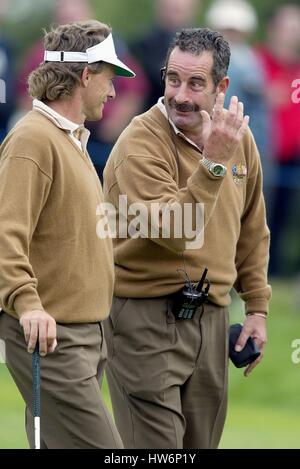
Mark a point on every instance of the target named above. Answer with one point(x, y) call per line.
point(53, 80)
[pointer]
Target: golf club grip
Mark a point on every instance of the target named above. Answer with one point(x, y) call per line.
point(36, 382)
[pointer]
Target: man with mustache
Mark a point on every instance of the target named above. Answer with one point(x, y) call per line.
point(167, 370)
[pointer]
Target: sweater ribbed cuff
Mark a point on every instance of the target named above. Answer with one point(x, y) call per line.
point(257, 305)
point(203, 180)
point(27, 301)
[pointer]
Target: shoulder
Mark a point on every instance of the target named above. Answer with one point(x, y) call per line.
point(147, 139)
point(31, 138)
point(148, 135)
point(148, 129)
point(33, 121)
point(34, 129)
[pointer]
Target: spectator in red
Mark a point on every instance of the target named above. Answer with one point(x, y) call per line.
point(237, 21)
point(281, 60)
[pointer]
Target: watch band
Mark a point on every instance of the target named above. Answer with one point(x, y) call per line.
point(216, 169)
point(207, 163)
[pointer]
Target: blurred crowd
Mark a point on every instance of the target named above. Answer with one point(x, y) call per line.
point(261, 75)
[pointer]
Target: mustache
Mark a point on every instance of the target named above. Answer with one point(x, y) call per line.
point(183, 107)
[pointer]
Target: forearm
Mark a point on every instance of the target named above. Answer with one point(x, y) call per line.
point(172, 217)
point(23, 189)
point(252, 284)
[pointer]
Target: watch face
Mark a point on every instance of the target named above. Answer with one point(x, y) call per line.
point(218, 170)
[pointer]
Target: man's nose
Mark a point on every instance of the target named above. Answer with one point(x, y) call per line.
point(112, 92)
point(182, 94)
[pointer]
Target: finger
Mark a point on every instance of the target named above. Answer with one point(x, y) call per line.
point(26, 328)
point(232, 111)
point(42, 335)
point(51, 336)
point(252, 365)
point(243, 128)
point(240, 114)
point(218, 108)
point(52, 346)
point(260, 344)
point(33, 336)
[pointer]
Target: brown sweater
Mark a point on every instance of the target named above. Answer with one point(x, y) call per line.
point(50, 255)
point(143, 165)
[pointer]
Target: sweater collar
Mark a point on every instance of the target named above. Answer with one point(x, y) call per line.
point(63, 123)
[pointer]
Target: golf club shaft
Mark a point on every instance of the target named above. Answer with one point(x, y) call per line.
point(36, 396)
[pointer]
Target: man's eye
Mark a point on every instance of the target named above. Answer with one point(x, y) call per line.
point(196, 85)
point(173, 80)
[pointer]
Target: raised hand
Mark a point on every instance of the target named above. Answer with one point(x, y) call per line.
point(222, 134)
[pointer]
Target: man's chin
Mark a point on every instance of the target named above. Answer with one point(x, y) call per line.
point(182, 121)
point(95, 117)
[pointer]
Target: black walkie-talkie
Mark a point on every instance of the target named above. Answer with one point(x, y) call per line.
point(187, 300)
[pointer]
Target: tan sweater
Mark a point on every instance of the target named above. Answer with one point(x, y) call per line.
point(143, 166)
point(50, 254)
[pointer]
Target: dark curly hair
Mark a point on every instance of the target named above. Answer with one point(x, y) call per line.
point(197, 40)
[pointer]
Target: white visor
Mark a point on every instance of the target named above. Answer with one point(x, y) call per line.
point(102, 52)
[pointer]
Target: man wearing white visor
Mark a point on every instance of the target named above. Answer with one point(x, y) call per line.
point(103, 51)
point(56, 275)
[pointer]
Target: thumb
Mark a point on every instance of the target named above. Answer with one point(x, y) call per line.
point(241, 342)
point(206, 124)
point(205, 118)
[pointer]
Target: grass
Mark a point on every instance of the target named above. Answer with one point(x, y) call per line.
point(12, 433)
point(264, 409)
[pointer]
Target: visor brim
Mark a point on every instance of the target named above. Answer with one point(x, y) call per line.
point(121, 69)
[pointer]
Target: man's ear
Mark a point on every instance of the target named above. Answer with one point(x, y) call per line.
point(223, 85)
point(163, 76)
point(85, 76)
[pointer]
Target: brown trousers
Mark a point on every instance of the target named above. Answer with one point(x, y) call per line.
point(73, 413)
point(167, 378)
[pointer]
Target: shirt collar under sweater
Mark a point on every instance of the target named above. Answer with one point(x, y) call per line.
point(161, 106)
point(64, 124)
